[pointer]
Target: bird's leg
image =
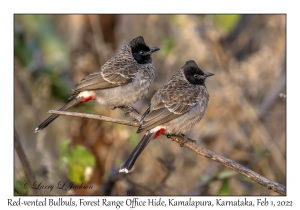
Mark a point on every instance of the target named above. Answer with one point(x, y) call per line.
point(185, 139)
point(169, 136)
point(133, 110)
point(129, 109)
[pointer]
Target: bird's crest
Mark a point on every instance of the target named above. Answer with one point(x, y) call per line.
point(191, 67)
point(138, 44)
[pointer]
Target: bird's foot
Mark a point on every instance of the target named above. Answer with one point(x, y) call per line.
point(128, 110)
point(185, 139)
point(169, 136)
point(134, 110)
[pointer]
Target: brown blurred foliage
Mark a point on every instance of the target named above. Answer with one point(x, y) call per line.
point(245, 120)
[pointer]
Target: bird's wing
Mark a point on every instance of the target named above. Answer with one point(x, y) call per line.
point(163, 114)
point(167, 104)
point(113, 73)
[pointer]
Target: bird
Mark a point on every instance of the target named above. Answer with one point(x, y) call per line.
point(174, 109)
point(120, 82)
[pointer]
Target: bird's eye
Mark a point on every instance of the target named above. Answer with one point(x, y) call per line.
point(141, 52)
point(196, 76)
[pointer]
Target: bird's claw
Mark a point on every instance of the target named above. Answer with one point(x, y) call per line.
point(127, 113)
point(129, 109)
point(185, 139)
point(169, 136)
point(133, 109)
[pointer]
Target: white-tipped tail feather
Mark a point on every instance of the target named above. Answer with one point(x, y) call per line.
point(125, 170)
point(53, 116)
point(127, 166)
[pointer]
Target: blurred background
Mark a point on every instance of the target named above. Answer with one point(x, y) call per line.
point(245, 119)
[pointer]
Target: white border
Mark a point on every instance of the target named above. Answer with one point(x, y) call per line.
point(8, 8)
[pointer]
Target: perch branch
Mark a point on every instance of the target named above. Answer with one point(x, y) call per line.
point(25, 162)
point(271, 185)
point(192, 145)
point(95, 117)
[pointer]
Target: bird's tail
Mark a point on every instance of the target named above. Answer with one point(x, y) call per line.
point(54, 116)
point(127, 166)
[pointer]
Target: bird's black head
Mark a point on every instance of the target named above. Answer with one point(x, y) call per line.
point(194, 74)
point(140, 51)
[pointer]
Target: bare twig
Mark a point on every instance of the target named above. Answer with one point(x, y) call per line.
point(108, 185)
point(144, 187)
point(203, 185)
point(162, 183)
point(95, 117)
point(169, 168)
point(271, 97)
point(30, 175)
point(271, 185)
point(101, 46)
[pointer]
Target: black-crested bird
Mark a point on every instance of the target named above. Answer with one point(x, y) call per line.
point(174, 109)
point(120, 82)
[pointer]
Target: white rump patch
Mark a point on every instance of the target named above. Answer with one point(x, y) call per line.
point(86, 94)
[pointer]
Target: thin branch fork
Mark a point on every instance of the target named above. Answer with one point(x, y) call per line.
point(192, 145)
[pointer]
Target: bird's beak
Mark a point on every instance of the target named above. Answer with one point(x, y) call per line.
point(152, 50)
point(208, 74)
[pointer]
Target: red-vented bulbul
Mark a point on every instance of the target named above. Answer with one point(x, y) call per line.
point(121, 81)
point(174, 109)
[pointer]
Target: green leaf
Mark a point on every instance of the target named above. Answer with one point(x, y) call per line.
point(244, 178)
point(205, 179)
point(19, 188)
point(64, 146)
point(224, 189)
point(226, 174)
point(78, 161)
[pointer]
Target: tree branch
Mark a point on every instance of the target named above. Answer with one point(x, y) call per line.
point(271, 185)
point(30, 175)
point(192, 145)
point(95, 117)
